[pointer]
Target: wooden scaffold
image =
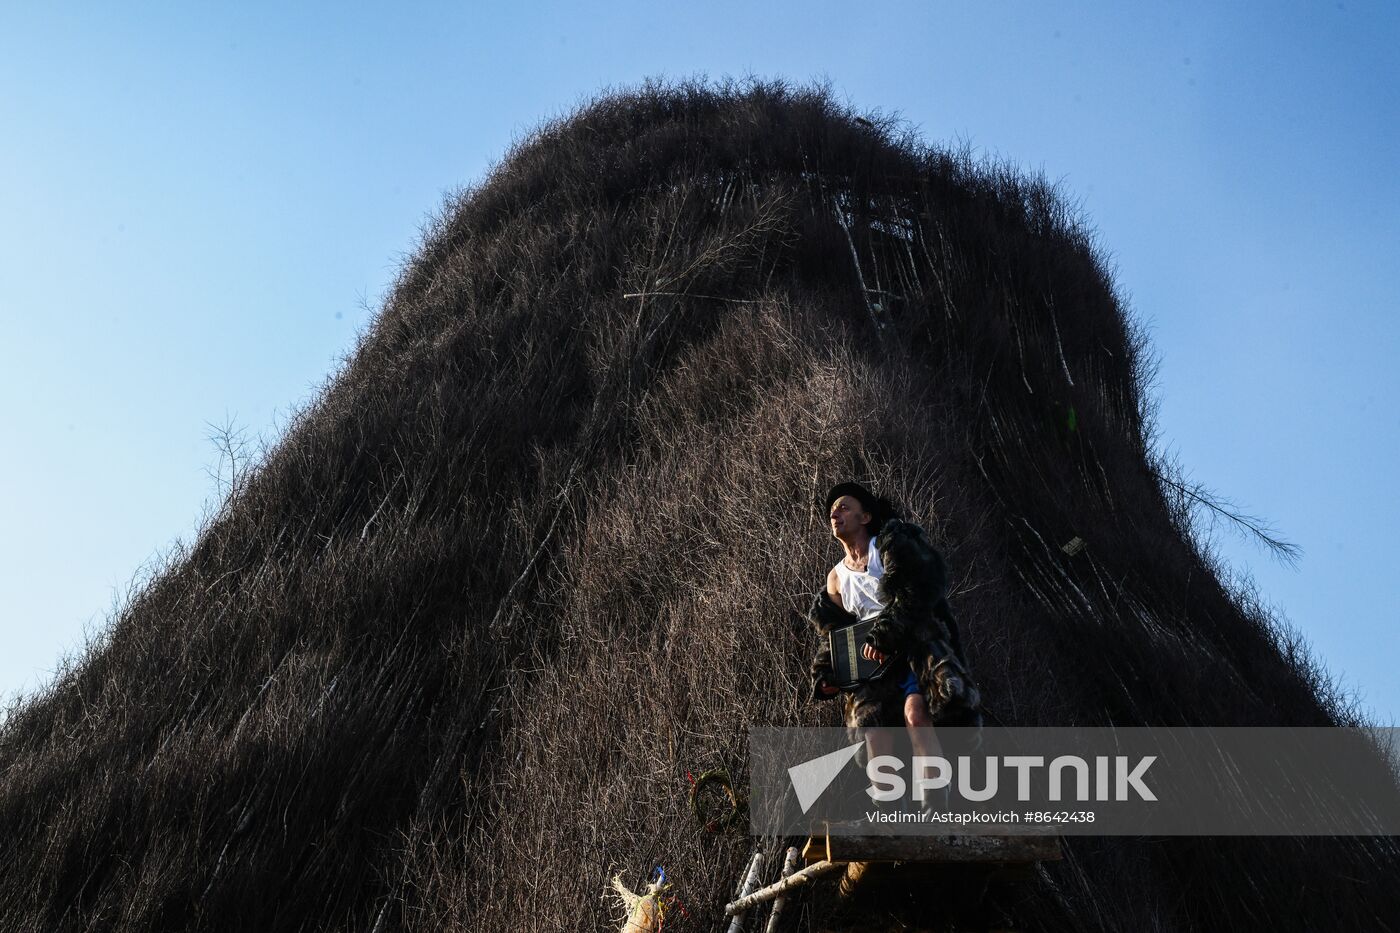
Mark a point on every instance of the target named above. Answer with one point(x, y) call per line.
point(827, 852)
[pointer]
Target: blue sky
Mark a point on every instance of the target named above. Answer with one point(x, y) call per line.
point(202, 207)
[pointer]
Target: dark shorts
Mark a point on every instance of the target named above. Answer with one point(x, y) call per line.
point(880, 702)
point(911, 682)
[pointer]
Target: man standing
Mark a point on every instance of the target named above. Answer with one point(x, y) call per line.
point(914, 624)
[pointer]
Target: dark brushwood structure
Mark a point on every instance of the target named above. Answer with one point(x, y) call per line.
point(477, 614)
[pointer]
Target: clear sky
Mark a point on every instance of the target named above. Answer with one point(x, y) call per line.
point(200, 207)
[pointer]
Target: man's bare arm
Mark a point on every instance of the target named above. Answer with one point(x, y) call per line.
point(833, 588)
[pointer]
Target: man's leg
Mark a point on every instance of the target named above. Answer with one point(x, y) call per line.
point(869, 714)
point(878, 742)
point(920, 725)
point(924, 740)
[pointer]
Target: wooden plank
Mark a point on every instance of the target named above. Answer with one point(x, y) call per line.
point(947, 848)
point(815, 849)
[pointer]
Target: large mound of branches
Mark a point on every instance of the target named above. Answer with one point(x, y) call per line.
point(443, 659)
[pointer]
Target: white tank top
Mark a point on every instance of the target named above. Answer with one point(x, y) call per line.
point(860, 591)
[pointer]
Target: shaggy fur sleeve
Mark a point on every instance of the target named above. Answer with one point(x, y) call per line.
point(891, 633)
point(825, 615)
point(950, 622)
point(914, 584)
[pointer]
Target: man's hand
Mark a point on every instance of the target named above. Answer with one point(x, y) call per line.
point(871, 653)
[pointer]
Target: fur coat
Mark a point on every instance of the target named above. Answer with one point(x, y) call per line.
point(917, 624)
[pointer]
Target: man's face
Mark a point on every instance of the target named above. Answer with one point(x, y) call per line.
point(847, 517)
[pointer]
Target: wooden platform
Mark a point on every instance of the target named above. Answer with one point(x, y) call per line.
point(824, 845)
point(973, 882)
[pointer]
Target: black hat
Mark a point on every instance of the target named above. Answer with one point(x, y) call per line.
point(878, 506)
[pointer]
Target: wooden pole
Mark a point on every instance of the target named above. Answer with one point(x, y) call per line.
point(747, 885)
point(789, 866)
point(794, 880)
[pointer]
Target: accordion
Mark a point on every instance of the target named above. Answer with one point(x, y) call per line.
point(849, 669)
